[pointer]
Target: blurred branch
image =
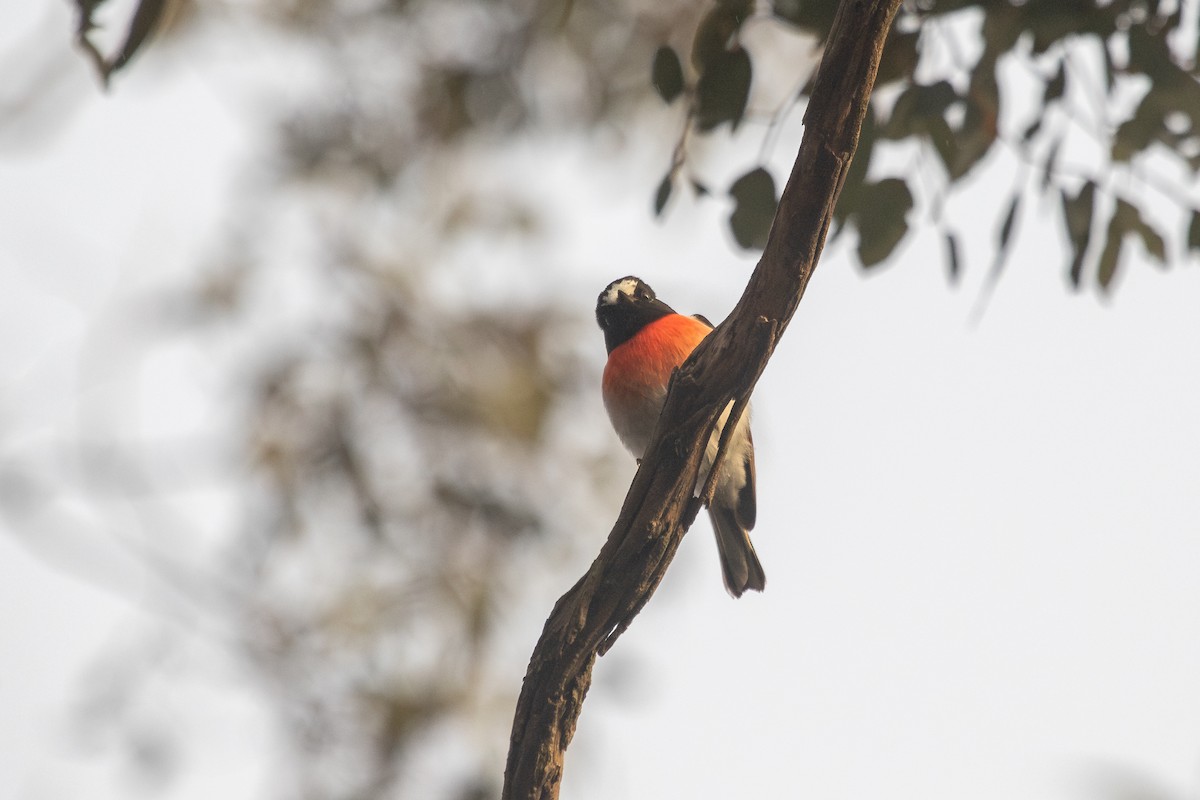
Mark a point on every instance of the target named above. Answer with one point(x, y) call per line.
point(660, 504)
point(83, 27)
point(143, 22)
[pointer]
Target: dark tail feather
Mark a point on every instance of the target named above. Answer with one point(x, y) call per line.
point(739, 562)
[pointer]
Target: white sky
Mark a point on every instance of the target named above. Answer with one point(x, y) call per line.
point(982, 543)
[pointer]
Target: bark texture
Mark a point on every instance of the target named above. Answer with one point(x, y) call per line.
point(660, 505)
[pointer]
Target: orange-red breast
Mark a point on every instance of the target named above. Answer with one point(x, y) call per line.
point(646, 341)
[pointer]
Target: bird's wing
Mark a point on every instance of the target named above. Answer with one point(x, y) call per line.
point(747, 506)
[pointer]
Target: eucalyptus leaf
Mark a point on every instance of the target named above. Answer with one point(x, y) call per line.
point(666, 74)
point(662, 194)
point(755, 202)
point(1077, 216)
point(882, 221)
point(723, 89)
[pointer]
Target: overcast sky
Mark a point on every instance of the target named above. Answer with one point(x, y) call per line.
point(982, 541)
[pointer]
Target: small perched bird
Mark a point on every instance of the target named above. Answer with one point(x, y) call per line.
point(646, 341)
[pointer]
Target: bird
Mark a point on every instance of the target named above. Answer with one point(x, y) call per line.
point(646, 340)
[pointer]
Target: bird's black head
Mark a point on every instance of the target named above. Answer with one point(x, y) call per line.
point(625, 307)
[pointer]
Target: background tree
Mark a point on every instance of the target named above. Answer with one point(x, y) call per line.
point(1113, 84)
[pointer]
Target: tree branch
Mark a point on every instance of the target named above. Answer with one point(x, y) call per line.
point(660, 506)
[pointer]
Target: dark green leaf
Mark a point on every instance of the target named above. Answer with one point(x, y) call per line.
point(740, 9)
point(1193, 234)
point(1126, 219)
point(1050, 165)
point(145, 18)
point(1110, 69)
point(1141, 130)
point(1171, 87)
point(899, 57)
point(754, 208)
point(853, 189)
point(1126, 213)
point(892, 194)
point(881, 219)
point(1155, 246)
point(1173, 19)
point(757, 183)
point(1111, 255)
point(900, 123)
point(87, 10)
point(1003, 25)
point(933, 99)
point(815, 17)
point(1077, 216)
point(1149, 52)
point(972, 145)
point(918, 107)
point(717, 29)
point(711, 38)
point(1057, 85)
point(1003, 239)
point(921, 110)
point(1053, 22)
point(953, 263)
point(1007, 228)
point(1154, 243)
point(978, 132)
point(943, 140)
point(663, 194)
point(667, 74)
point(723, 90)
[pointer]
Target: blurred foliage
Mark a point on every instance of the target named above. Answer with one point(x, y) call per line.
point(411, 447)
point(939, 90)
point(412, 463)
point(1121, 74)
point(422, 458)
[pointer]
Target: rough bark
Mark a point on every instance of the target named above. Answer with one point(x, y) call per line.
point(660, 505)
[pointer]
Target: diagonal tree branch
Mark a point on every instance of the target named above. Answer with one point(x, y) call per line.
point(660, 505)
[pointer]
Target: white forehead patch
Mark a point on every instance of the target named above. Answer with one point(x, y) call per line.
point(625, 286)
